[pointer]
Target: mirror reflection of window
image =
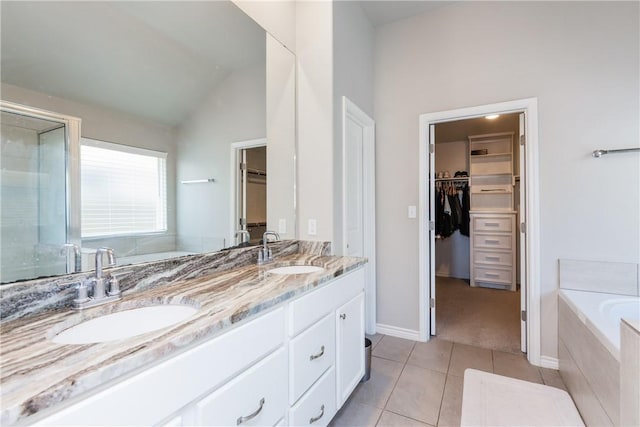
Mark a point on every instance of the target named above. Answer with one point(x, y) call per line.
point(124, 189)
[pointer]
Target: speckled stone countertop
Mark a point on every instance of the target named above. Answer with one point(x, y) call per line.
point(36, 373)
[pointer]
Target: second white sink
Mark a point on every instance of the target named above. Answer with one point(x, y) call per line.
point(296, 269)
point(125, 324)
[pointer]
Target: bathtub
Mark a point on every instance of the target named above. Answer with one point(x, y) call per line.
point(601, 313)
point(589, 351)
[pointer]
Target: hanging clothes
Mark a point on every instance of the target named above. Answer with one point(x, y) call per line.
point(456, 208)
point(444, 224)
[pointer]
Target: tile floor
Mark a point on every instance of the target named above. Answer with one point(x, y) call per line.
point(420, 384)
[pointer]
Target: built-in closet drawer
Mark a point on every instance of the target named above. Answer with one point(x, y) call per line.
point(503, 259)
point(492, 275)
point(257, 397)
point(492, 241)
point(318, 406)
point(491, 224)
point(311, 353)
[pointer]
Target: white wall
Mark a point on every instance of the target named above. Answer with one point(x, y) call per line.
point(353, 38)
point(314, 174)
point(277, 17)
point(281, 138)
point(581, 60)
point(233, 112)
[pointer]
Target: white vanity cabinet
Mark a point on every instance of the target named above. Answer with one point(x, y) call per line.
point(293, 365)
point(350, 334)
point(331, 318)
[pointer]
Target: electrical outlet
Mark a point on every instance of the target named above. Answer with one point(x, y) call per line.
point(412, 211)
point(282, 226)
point(312, 228)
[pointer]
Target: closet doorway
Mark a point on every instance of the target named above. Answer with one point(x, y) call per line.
point(476, 192)
point(248, 191)
point(476, 276)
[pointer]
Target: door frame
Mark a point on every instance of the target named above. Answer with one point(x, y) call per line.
point(351, 111)
point(234, 181)
point(532, 212)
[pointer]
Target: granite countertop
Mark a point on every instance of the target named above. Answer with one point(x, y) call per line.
point(36, 373)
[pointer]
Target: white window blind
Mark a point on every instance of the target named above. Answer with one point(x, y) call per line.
point(124, 189)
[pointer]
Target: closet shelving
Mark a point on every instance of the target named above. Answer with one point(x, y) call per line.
point(493, 226)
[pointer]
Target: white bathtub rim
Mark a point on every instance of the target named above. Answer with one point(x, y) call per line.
point(607, 332)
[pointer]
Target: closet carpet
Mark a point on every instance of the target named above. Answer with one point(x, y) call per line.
point(482, 317)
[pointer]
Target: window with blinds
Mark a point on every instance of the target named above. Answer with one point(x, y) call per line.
point(124, 189)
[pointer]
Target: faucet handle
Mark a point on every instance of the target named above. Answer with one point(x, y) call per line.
point(82, 294)
point(114, 286)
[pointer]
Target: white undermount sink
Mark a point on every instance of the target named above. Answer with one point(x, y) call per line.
point(296, 269)
point(125, 324)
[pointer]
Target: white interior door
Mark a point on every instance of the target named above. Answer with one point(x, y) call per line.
point(358, 176)
point(354, 189)
point(523, 236)
point(432, 229)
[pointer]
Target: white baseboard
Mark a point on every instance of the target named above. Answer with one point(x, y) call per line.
point(394, 331)
point(549, 362)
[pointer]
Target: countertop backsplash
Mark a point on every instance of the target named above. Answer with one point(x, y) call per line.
point(32, 297)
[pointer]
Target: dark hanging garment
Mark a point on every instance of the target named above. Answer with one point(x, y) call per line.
point(456, 210)
point(466, 207)
point(447, 224)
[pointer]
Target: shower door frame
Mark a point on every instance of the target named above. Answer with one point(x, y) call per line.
point(72, 167)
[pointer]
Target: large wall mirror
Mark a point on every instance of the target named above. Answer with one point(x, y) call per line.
point(171, 96)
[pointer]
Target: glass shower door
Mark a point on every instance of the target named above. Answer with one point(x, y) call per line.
point(33, 197)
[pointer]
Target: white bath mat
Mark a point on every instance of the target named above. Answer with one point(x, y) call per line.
point(494, 400)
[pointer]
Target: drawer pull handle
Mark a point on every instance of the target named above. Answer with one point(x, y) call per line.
point(491, 274)
point(314, 419)
point(492, 258)
point(343, 316)
point(493, 242)
point(253, 415)
point(491, 224)
point(315, 356)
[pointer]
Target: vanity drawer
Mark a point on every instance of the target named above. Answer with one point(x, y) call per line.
point(310, 308)
point(492, 275)
point(504, 259)
point(310, 354)
point(318, 406)
point(492, 241)
point(258, 396)
point(485, 223)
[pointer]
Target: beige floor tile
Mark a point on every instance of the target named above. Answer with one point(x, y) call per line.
point(451, 409)
point(418, 394)
point(375, 339)
point(466, 356)
point(376, 391)
point(515, 366)
point(393, 348)
point(355, 414)
point(434, 355)
point(552, 378)
point(389, 419)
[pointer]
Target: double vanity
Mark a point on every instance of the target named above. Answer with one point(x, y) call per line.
point(273, 344)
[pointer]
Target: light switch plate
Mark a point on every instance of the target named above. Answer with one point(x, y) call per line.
point(412, 211)
point(312, 227)
point(282, 226)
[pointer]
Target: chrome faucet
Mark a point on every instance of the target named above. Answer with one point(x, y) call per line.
point(243, 234)
point(105, 289)
point(77, 260)
point(265, 254)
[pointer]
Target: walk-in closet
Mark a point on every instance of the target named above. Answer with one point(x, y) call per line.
point(476, 196)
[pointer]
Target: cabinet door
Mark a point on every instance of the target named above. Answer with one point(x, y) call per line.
point(350, 347)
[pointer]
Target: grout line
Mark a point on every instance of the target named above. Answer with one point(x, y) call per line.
point(404, 416)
